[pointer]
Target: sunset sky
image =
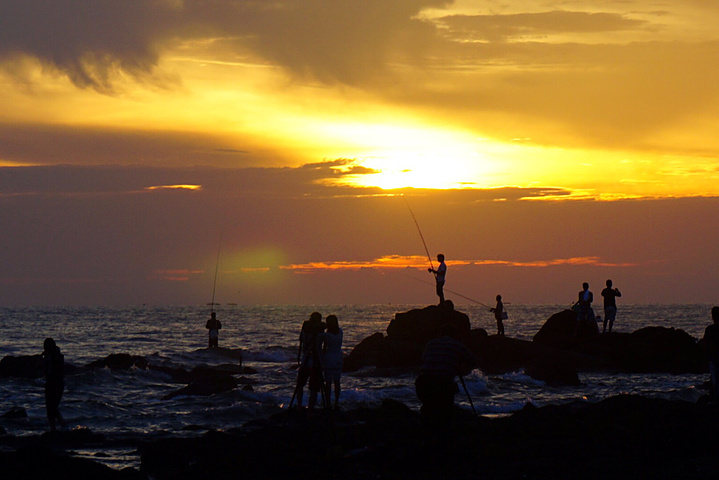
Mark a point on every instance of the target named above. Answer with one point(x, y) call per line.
point(539, 145)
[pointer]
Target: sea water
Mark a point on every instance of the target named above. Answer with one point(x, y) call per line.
point(130, 403)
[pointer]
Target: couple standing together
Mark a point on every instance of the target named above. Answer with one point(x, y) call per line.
point(586, 297)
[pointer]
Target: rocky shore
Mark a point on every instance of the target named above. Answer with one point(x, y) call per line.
point(623, 437)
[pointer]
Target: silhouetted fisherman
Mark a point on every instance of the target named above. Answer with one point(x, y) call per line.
point(499, 315)
point(54, 381)
point(439, 277)
point(214, 326)
point(443, 359)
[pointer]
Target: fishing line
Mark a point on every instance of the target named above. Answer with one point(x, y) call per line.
point(450, 291)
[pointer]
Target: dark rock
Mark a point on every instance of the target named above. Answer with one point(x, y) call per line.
point(365, 354)
point(421, 325)
point(42, 462)
point(15, 413)
point(561, 329)
point(120, 361)
point(553, 372)
point(23, 366)
point(207, 386)
point(557, 353)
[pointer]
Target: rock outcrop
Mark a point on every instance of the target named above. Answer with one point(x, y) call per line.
point(557, 353)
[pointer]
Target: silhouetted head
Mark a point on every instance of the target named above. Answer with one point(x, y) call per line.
point(585, 286)
point(440, 257)
point(499, 298)
point(449, 330)
point(609, 284)
point(49, 345)
point(315, 317)
point(333, 325)
point(213, 315)
point(715, 314)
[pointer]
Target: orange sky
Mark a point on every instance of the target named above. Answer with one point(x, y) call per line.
point(539, 144)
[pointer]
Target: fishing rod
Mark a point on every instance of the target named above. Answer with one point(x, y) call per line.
point(429, 257)
point(469, 397)
point(217, 267)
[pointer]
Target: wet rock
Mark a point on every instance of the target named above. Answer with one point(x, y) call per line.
point(120, 361)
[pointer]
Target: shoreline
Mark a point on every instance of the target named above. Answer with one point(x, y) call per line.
point(624, 436)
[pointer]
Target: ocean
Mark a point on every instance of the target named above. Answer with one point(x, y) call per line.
point(124, 404)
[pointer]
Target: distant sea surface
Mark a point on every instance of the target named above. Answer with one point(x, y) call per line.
point(129, 403)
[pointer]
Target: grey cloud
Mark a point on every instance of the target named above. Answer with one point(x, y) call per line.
point(92, 41)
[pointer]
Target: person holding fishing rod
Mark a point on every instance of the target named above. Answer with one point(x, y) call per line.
point(439, 276)
point(214, 326)
point(444, 358)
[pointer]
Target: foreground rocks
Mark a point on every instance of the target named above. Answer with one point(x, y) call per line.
point(623, 437)
point(557, 353)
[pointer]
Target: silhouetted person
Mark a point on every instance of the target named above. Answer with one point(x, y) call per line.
point(610, 305)
point(439, 276)
point(332, 358)
point(499, 315)
point(443, 359)
point(584, 301)
point(308, 358)
point(711, 351)
point(214, 326)
point(54, 381)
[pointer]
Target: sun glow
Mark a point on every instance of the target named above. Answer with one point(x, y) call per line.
point(416, 157)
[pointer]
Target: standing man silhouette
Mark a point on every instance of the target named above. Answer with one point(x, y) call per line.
point(610, 305)
point(439, 275)
point(214, 326)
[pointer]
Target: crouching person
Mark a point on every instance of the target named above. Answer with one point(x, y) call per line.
point(443, 359)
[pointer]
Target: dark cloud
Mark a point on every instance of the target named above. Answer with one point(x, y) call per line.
point(94, 41)
point(40, 144)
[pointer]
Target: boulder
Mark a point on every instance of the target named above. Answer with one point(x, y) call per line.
point(365, 354)
point(561, 329)
point(207, 386)
point(23, 366)
point(421, 325)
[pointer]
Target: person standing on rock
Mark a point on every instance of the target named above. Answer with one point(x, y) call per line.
point(443, 359)
point(610, 305)
point(214, 326)
point(499, 315)
point(54, 381)
point(584, 302)
point(711, 352)
point(439, 276)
